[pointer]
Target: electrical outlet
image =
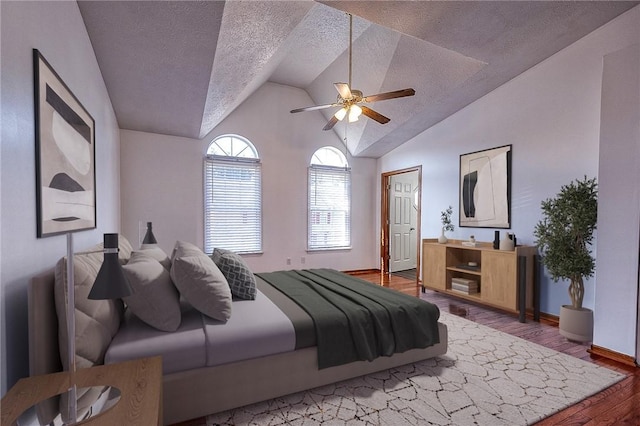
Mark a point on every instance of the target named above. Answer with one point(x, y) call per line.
point(303, 260)
point(288, 261)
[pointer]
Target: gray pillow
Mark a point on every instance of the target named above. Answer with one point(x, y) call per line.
point(155, 300)
point(200, 282)
point(97, 321)
point(157, 253)
point(238, 275)
point(184, 248)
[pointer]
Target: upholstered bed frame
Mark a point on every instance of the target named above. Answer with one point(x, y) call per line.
point(195, 393)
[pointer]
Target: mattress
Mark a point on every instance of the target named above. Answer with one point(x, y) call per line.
point(256, 328)
point(183, 349)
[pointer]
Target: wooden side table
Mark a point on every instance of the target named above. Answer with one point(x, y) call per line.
point(139, 381)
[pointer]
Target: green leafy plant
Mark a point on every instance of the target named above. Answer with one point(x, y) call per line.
point(445, 216)
point(566, 232)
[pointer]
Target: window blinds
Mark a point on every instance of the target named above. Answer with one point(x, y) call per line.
point(329, 208)
point(233, 205)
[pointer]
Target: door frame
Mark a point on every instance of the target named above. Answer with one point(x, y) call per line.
point(384, 218)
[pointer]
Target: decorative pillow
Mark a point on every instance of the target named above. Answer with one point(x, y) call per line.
point(185, 249)
point(154, 251)
point(238, 275)
point(155, 299)
point(200, 281)
point(97, 321)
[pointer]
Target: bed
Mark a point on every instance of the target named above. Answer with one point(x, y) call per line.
point(202, 385)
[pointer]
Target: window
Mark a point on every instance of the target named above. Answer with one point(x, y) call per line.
point(232, 196)
point(329, 200)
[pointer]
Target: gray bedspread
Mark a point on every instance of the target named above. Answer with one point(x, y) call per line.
point(354, 319)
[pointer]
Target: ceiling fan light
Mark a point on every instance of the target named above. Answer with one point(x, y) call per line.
point(354, 113)
point(340, 114)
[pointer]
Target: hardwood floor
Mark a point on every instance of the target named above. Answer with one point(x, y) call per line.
point(618, 405)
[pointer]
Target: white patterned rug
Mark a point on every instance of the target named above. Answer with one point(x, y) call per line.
point(486, 378)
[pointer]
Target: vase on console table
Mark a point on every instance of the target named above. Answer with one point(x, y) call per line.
point(506, 243)
point(442, 239)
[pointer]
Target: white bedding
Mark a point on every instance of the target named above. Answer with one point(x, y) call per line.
point(256, 328)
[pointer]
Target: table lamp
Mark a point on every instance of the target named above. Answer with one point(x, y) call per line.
point(110, 283)
point(149, 238)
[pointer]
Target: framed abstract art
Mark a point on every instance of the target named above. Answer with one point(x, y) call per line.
point(485, 188)
point(65, 155)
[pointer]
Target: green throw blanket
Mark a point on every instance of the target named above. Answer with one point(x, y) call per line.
point(354, 319)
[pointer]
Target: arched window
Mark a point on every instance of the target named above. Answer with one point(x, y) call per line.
point(232, 196)
point(329, 201)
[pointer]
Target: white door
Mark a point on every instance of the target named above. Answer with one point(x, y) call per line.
point(403, 217)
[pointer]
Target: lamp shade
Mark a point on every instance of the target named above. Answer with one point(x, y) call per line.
point(354, 113)
point(149, 238)
point(110, 282)
point(340, 113)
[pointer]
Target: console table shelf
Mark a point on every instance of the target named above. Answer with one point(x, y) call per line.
point(504, 279)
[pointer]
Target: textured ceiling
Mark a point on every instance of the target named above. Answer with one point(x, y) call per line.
point(180, 67)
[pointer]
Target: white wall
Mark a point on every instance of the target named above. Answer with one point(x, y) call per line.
point(619, 198)
point(162, 182)
point(551, 116)
point(57, 30)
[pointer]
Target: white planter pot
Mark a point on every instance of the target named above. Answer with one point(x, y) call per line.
point(576, 324)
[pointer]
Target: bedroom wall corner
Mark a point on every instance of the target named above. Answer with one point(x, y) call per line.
point(616, 300)
point(58, 31)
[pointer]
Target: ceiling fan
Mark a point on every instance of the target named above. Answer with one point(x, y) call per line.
point(350, 100)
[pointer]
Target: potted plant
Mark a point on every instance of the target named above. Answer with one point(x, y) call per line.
point(445, 217)
point(564, 236)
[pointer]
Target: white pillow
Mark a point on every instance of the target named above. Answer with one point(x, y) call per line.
point(157, 253)
point(200, 281)
point(155, 300)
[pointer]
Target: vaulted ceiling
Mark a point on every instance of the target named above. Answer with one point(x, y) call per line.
point(180, 67)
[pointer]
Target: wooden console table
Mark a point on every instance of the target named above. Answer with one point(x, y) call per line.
point(139, 381)
point(505, 279)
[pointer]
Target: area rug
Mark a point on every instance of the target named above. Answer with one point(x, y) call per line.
point(487, 378)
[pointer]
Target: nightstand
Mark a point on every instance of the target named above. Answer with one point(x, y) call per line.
point(139, 381)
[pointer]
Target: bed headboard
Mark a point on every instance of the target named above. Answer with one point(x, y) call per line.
point(44, 354)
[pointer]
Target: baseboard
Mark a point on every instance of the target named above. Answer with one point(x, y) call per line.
point(362, 271)
point(553, 319)
point(612, 355)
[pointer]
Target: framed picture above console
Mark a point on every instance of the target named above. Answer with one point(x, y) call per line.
point(485, 188)
point(65, 155)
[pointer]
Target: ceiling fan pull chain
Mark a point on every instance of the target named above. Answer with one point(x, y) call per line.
point(350, 45)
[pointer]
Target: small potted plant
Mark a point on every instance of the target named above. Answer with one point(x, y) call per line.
point(564, 236)
point(445, 217)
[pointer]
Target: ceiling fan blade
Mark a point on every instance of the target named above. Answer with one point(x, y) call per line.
point(314, 108)
point(332, 122)
point(389, 95)
point(374, 115)
point(344, 90)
